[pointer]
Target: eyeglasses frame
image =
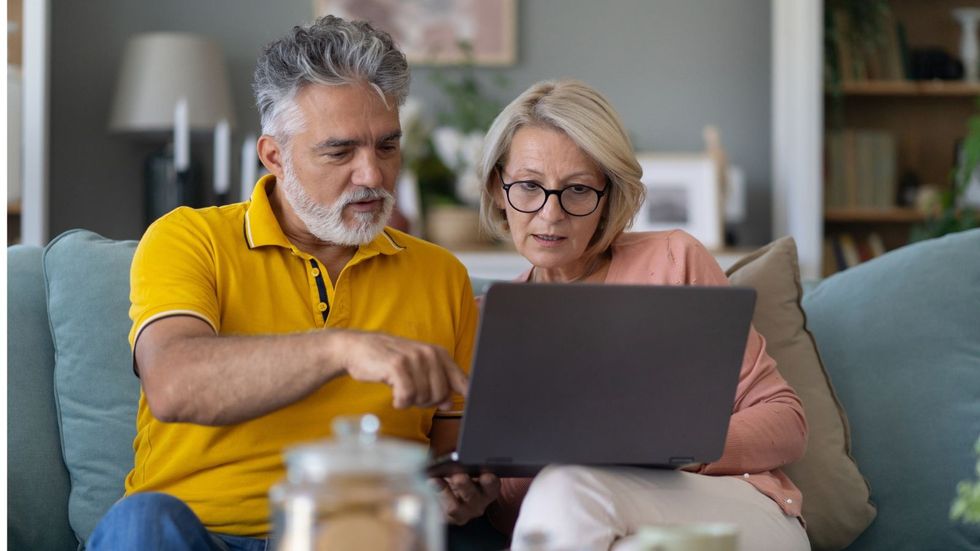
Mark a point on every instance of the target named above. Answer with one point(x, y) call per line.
point(548, 193)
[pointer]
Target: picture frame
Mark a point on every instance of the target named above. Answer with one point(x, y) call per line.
point(683, 192)
point(429, 31)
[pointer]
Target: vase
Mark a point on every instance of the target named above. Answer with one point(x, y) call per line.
point(454, 227)
point(969, 51)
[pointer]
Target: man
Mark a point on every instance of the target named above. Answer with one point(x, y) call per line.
point(255, 324)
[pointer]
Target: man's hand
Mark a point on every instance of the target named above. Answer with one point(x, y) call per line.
point(464, 498)
point(419, 374)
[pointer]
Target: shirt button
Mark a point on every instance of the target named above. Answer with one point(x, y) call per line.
point(315, 272)
point(789, 501)
point(322, 307)
point(746, 475)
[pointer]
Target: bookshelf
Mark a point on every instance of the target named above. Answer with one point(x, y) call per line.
point(883, 134)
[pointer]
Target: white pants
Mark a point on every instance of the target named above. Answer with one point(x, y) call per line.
point(592, 507)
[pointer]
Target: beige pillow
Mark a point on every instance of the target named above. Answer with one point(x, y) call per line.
point(835, 494)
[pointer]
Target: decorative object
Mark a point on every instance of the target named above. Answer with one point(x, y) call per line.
point(683, 192)
point(428, 32)
point(176, 82)
point(969, 51)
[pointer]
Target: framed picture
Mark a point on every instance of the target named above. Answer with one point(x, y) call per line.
point(683, 192)
point(430, 31)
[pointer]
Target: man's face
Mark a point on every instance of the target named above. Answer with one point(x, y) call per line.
point(341, 166)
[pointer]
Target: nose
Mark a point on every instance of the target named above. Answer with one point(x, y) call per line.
point(367, 171)
point(552, 211)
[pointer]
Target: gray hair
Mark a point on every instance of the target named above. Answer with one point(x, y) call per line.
point(585, 116)
point(329, 51)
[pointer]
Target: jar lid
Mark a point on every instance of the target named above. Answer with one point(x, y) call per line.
point(356, 449)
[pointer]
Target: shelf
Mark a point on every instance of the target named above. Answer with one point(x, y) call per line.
point(874, 215)
point(931, 88)
point(13, 208)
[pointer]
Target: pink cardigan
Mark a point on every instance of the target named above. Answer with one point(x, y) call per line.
point(767, 430)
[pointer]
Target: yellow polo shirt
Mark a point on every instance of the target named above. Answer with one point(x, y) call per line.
point(233, 267)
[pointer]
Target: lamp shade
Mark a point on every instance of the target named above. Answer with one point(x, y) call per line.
point(160, 68)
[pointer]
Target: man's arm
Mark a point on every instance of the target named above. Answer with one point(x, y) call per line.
point(191, 375)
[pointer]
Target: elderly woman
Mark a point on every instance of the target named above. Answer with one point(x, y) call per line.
point(562, 181)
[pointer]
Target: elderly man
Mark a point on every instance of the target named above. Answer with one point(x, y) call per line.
point(255, 324)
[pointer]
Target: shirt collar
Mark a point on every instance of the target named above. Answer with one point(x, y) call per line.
point(262, 227)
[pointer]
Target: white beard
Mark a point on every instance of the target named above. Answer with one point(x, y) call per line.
point(327, 222)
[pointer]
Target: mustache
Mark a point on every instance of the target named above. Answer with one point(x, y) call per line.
point(360, 194)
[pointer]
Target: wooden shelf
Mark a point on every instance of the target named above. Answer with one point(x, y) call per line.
point(874, 215)
point(13, 208)
point(930, 88)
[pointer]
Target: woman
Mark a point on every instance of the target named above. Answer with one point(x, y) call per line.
point(562, 181)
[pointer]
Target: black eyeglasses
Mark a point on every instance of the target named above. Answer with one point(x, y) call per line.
point(528, 197)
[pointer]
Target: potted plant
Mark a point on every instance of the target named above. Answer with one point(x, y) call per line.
point(949, 214)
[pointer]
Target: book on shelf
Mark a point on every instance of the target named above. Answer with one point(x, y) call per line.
point(861, 169)
point(876, 244)
point(881, 59)
point(844, 250)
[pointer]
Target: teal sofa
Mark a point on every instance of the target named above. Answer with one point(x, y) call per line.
point(899, 336)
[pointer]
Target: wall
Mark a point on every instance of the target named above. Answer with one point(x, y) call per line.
point(669, 66)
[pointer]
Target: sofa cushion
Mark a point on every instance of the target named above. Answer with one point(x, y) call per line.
point(835, 495)
point(37, 481)
point(87, 281)
point(900, 337)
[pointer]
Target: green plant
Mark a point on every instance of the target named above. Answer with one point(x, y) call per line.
point(468, 108)
point(966, 506)
point(949, 216)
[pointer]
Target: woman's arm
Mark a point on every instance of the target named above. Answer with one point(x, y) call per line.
point(767, 429)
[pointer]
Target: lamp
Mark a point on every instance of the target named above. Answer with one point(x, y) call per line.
point(175, 82)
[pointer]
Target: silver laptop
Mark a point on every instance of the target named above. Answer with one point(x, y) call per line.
point(601, 375)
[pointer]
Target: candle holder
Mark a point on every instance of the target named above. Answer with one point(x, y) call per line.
point(165, 188)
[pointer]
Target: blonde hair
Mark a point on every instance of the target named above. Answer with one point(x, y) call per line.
point(585, 116)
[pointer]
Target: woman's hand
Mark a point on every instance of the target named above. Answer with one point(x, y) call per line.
point(464, 498)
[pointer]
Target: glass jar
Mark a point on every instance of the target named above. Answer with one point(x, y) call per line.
point(356, 492)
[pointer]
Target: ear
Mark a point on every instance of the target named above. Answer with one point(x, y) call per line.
point(497, 189)
point(271, 154)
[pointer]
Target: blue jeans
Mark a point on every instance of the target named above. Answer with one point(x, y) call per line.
point(153, 521)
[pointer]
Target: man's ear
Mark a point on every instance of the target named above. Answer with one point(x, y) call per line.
point(271, 154)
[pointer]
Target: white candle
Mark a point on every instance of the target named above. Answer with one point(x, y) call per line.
point(222, 157)
point(182, 137)
point(249, 162)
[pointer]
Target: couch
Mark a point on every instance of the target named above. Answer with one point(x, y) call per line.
point(899, 337)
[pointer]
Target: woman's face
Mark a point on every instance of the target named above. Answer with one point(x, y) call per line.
point(550, 238)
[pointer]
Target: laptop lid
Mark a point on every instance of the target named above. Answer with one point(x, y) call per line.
point(604, 374)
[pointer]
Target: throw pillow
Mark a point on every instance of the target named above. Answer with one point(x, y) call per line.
point(835, 495)
point(87, 282)
point(900, 335)
point(37, 482)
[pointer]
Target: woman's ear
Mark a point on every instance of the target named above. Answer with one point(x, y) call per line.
point(497, 189)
